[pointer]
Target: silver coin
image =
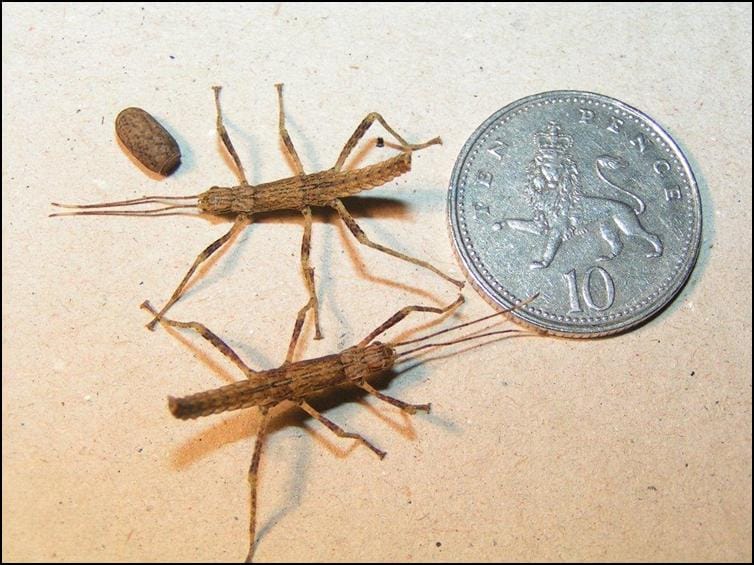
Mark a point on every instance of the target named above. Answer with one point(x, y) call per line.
point(582, 199)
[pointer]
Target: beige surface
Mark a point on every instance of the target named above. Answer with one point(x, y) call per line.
point(636, 447)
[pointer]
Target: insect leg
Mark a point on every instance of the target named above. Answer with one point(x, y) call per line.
point(405, 406)
point(223, 133)
point(286, 139)
point(363, 239)
point(238, 225)
point(402, 313)
point(253, 472)
point(297, 331)
point(309, 278)
point(362, 128)
point(337, 430)
point(207, 334)
point(309, 271)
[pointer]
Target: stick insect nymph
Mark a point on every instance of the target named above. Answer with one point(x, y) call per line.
point(300, 192)
point(297, 381)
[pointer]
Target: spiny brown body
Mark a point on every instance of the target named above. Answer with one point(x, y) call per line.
point(297, 381)
point(294, 382)
point(298, 192)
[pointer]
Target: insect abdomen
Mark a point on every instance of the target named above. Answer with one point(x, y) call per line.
point(358, 180)
point(290, 382)
point(234, 396)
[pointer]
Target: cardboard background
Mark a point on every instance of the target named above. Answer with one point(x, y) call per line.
point(636, 447)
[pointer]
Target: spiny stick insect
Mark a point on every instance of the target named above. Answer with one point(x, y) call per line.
point(295, 381)
point(300, 192)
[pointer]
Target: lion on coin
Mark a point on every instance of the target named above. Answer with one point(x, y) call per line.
point(562, 210)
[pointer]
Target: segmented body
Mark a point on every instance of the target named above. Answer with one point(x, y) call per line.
point(295, 193)
point(293, 381)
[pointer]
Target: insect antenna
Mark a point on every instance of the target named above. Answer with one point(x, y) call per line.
point(454, 341)
point(474, 335)
point(169, 203)
point(466, 324)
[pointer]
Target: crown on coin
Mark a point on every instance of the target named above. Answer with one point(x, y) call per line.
point(553, 138)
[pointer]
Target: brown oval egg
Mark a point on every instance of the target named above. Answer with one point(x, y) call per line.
point(149, 142)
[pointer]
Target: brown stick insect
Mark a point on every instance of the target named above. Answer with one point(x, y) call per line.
point(295, 381)
point(300, 193)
